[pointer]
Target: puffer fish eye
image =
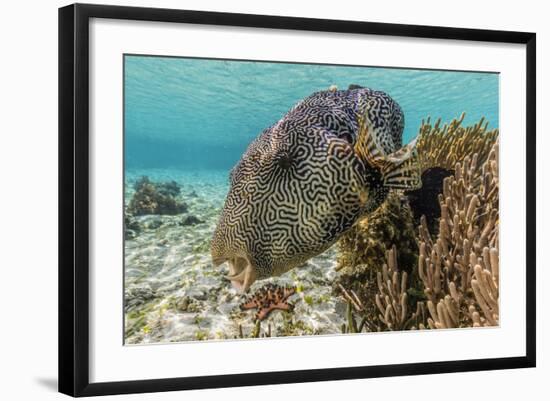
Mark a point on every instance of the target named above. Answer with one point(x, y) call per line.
point(284, 161)
point(348, 138)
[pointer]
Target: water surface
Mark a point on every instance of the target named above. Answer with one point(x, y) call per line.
point(202, 113)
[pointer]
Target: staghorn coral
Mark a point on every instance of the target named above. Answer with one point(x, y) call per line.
point(155, 198)
point(455, 280)
point(269, 298)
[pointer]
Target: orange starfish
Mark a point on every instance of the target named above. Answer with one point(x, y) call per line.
point(268, 298)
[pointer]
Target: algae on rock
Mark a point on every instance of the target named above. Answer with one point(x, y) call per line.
point(155, 198)
point(363, 248)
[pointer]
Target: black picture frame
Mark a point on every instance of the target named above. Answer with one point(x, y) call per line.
point(74, 198)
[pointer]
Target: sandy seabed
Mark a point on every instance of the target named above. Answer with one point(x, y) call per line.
point(173, 293)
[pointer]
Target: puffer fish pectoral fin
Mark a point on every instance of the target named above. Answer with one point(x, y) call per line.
point(401, 169)
point(406, 152)
point(366, 147)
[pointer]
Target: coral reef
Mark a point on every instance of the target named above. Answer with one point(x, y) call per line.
point(445, 146)
point(395, 302)
point(459, 270)
point(439, 149)
point(155, 198)
point(392, 299)
point(363, 248)
point(269, 298)
point(454, 282)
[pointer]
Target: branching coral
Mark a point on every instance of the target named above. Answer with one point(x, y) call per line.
point(460, 268)
point(455, 280)
point(392, 298)
point(445, 146)
point(393, 303)
point(485, 287)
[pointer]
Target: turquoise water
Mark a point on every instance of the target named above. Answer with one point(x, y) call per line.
point(189, 121)
point(201, 114)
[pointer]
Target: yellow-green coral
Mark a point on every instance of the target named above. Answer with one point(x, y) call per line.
point(444, 146)
point(454, 282)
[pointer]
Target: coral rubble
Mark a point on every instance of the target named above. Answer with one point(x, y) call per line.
point(269, 298)
point(155, 198)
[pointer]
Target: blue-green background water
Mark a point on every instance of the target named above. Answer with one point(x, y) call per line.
point(196, 114)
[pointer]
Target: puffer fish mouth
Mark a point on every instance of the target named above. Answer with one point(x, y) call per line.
point(242, 273)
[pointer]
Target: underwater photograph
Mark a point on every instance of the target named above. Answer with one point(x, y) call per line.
point(268, 199)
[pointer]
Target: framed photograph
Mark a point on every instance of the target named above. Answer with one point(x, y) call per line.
point(250, 199)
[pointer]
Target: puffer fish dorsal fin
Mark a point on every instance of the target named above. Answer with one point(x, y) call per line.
point(400, 169)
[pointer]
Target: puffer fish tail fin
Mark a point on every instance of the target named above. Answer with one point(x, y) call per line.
point(400, 169)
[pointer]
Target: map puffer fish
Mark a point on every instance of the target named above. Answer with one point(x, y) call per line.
point(307, 179)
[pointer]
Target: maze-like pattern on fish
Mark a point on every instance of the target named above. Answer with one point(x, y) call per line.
point(299, 184)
